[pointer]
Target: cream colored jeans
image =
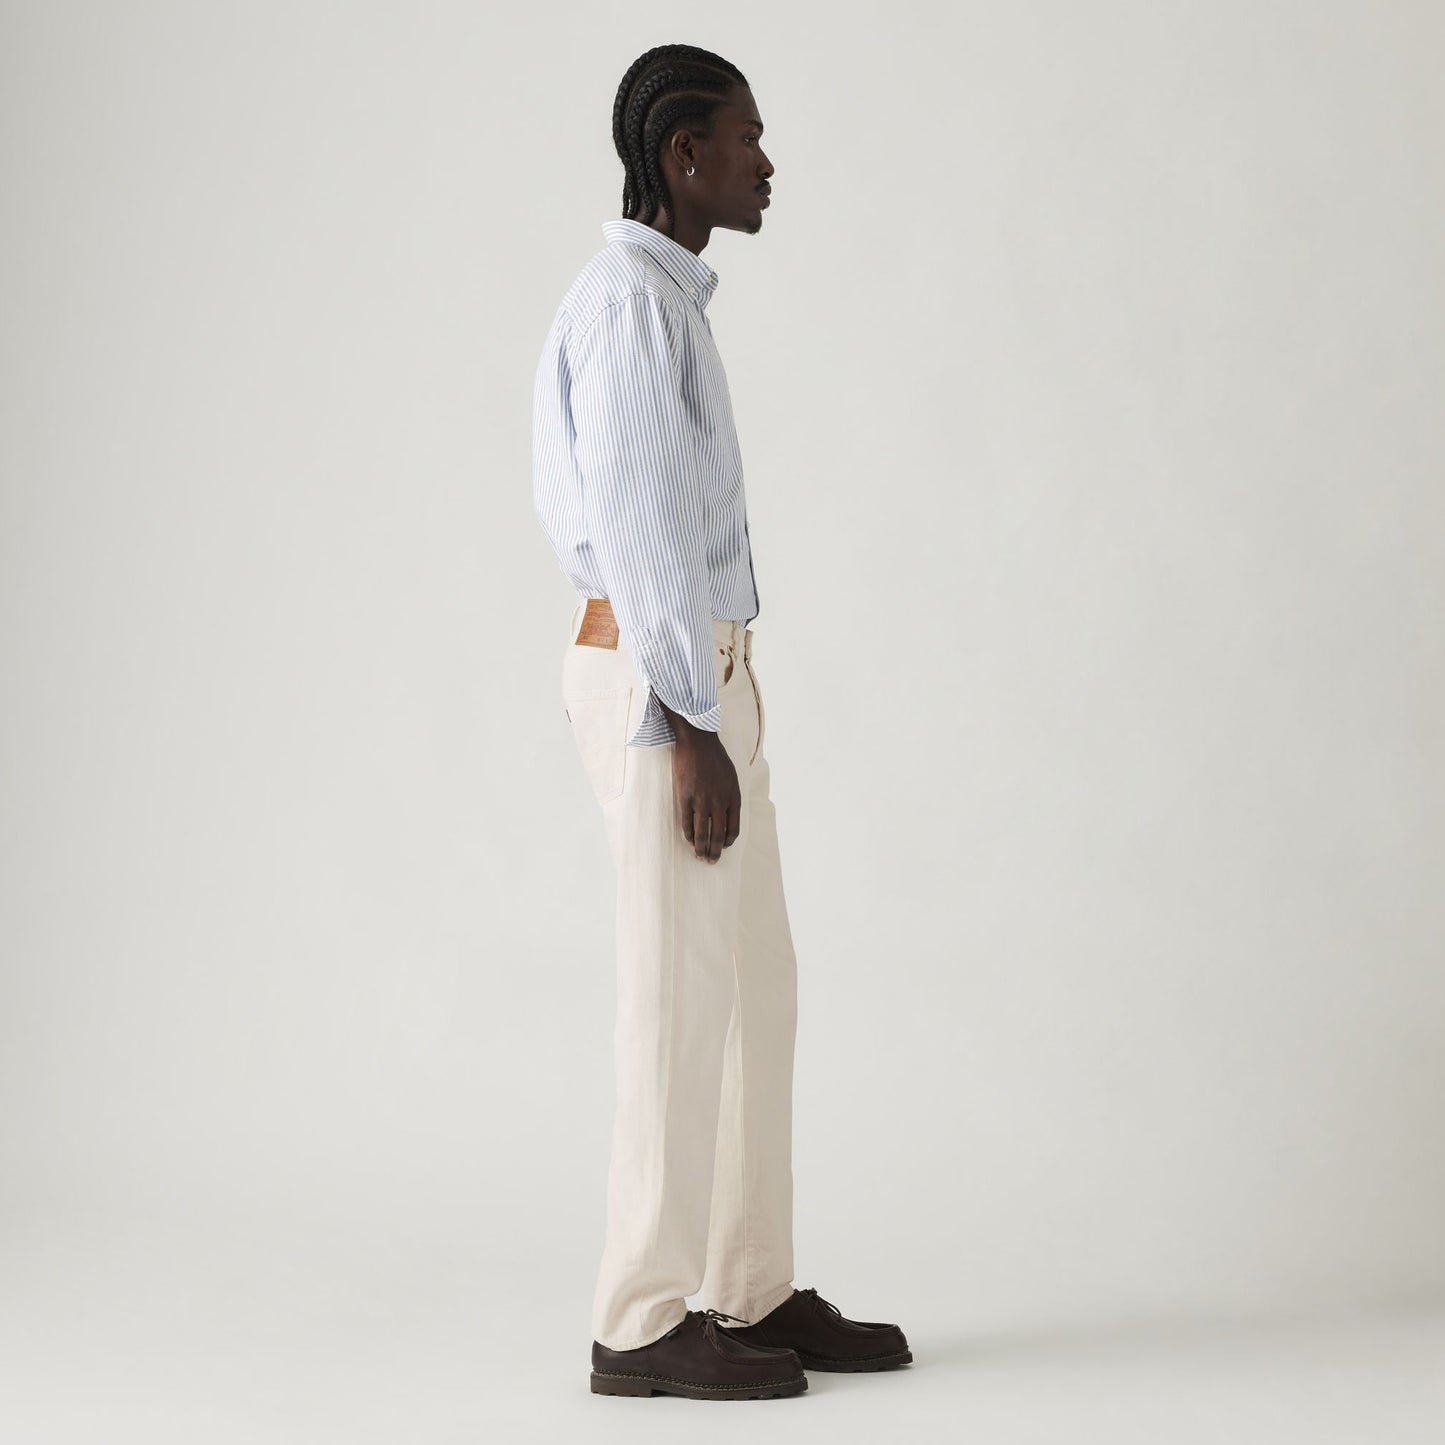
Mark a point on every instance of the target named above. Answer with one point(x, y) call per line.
point(700, 1185)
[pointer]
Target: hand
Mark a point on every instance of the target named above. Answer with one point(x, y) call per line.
point(705, 785)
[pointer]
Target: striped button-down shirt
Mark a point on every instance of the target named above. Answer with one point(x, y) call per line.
point(636, 474)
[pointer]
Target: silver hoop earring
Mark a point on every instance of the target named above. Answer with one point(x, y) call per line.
point(691, 169)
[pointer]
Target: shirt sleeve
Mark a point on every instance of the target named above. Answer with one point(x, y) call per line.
point(637, 449)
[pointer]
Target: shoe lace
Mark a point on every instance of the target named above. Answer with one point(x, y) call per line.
point(711, 1319)
point(827, 1304)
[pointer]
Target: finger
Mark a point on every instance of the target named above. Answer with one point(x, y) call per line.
point(702, 832)
point(732, 824)
point(715, 840)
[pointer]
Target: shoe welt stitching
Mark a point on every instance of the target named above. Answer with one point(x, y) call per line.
point(691, 1384)
point(854, 1359)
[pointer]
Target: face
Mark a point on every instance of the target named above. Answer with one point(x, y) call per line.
point(732, 167)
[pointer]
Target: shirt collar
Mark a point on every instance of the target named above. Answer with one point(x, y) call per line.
point(691, 272)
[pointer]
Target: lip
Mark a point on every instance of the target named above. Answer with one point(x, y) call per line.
point(767, 197)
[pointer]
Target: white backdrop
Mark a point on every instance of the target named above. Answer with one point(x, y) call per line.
point(1088, 371)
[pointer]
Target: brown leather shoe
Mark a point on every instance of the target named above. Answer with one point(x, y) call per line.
point(824, 1339)
point(695, 1360)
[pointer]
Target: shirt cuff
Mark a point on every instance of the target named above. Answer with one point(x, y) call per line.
point(656, 727)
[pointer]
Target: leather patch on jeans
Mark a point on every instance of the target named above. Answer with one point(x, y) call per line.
point(599, 625)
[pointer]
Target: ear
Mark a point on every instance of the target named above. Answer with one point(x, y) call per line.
point(680, 148)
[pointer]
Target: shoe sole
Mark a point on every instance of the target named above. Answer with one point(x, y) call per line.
point(852, 1367)
point(605, 1384)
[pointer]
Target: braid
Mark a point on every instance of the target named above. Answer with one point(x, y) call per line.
point(668, 86)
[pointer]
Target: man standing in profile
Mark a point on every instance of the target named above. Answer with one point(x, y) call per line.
point(638, 484)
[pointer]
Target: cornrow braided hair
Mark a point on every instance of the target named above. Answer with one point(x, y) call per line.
point(665, 87)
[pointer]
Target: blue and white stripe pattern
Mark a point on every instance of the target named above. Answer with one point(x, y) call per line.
point(636, 474)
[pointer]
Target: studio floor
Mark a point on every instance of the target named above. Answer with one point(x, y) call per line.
point(120, 1331)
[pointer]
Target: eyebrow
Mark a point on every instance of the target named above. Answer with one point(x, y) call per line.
point(756, 124)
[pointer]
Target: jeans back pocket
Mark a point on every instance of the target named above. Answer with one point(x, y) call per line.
point(599, 725)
